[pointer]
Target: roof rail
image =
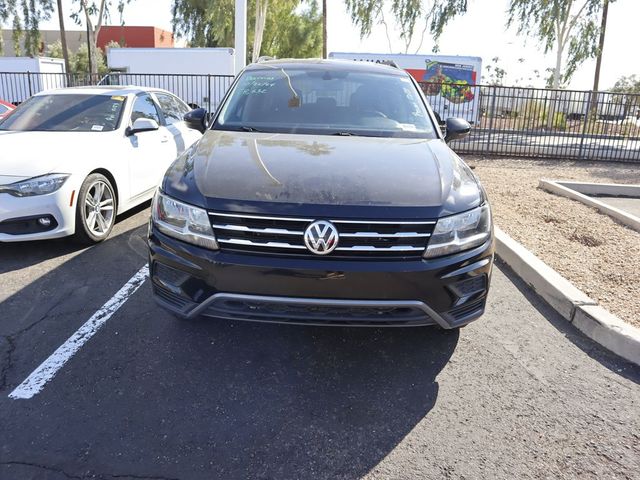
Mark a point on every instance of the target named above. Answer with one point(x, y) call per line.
point(388, 63)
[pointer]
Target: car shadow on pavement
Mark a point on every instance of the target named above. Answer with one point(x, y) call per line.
point(58, 296)
point(279, 401)
point(609, 360)
point(42, 303)
point(19, 255)
point(207, 398)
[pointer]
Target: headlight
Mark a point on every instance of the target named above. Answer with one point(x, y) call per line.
point(36, 185)
point(460, 232)
point(182, 221)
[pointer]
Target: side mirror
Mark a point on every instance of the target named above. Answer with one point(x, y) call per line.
point(142, 125)
point(196, 119)
point(438, 118)
point(457, 128)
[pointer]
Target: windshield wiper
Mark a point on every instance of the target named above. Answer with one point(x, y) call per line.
point(245, 128)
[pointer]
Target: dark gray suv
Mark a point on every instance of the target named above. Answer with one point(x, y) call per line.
point(323, 192)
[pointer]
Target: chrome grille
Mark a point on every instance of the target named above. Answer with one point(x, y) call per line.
point(278, 235)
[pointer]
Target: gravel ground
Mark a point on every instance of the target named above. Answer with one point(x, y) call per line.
point(588, 248)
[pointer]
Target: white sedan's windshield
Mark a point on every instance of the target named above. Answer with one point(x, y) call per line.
point(326, 101)
point(67, 113)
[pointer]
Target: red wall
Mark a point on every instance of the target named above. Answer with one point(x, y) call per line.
point(141, 37)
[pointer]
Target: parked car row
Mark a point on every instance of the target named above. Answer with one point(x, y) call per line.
point(322, 192)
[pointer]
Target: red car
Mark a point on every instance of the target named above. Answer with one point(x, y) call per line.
point(6, 108)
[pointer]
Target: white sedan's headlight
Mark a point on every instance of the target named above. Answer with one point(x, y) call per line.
point(36, 185)
point(182, 221)
point(460, 232)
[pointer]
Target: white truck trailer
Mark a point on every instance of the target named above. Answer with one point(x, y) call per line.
point(448, 81)
point(21, 77)
point(200, 76)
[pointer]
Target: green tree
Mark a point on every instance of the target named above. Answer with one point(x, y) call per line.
point(292, 28)
point(54, 50)
point(627, 90)
point(630, 84)
point(94, 13)
point(204, 23)
point(24, 16)
point(496, 73)
point(570, 28)
point(291, 33)
point(79, 60)
point(432, 15)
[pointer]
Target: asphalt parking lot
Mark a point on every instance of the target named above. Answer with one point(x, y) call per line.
point(517, 394)
point(629, 205)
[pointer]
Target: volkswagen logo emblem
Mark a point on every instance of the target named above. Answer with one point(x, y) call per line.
point(321, 237)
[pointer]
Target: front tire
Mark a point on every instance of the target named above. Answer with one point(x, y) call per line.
point(95, 209)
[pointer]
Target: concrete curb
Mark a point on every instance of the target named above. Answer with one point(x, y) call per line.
point(572, 304)
point(621, 216)
point(606, 189)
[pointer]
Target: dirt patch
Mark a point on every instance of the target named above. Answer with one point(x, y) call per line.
point(585, 239)
point(552, 219)
point(597, 254)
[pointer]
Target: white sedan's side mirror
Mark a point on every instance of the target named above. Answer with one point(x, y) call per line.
point(143, 125)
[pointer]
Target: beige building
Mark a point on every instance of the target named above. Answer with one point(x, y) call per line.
point(47, 37)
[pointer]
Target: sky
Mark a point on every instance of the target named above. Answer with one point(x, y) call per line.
point(481, 32)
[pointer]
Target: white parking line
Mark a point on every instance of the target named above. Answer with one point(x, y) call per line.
point(35, 382)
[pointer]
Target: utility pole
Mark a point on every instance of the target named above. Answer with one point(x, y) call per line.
point(596, 78)
point(240, 32)
point(89, 51)
point(63, 39)
point(324, 28)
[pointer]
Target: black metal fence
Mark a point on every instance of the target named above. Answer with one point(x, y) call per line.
point(542, 123)
point(508, 121)
point(197, 90)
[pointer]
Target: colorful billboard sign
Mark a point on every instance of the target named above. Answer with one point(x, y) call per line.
point(447, 81)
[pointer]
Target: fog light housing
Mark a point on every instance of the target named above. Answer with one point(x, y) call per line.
point(169, 276)
point(465, 289)
point(45, 221)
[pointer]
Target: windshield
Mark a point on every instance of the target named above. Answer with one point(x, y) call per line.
point(67, 113)
point(326, 101)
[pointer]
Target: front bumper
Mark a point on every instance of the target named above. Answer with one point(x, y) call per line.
point(192, 281)
point(18, 215)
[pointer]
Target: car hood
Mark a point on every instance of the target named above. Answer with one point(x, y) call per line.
point(29, 154)
point(323, 170)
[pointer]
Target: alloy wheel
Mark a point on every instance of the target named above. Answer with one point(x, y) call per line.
point(98, 208)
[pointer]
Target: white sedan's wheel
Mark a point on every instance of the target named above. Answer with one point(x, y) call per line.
point(96, 209)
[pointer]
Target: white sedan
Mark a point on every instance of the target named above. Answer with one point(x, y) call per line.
point(75, 158)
